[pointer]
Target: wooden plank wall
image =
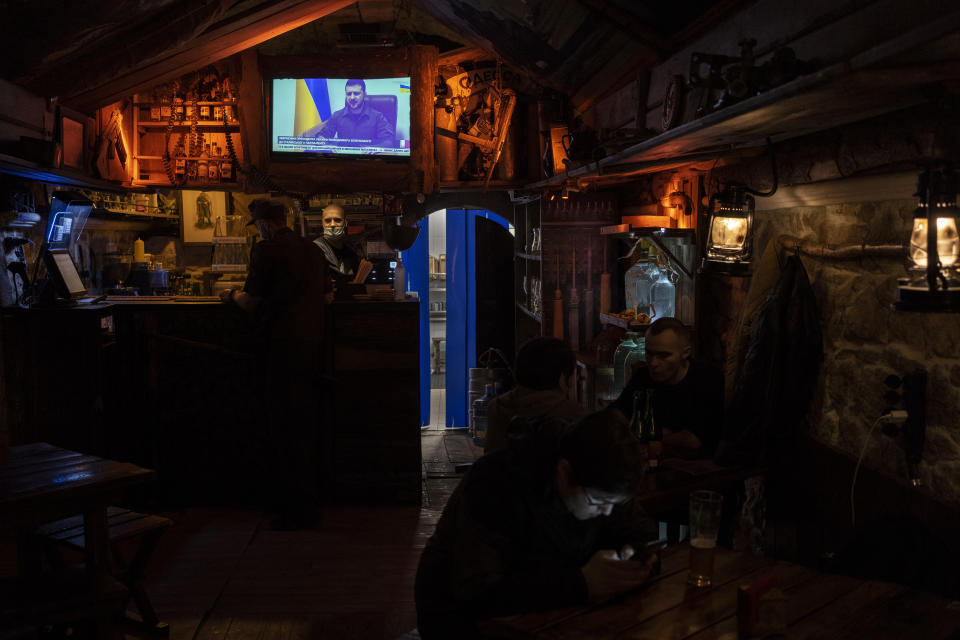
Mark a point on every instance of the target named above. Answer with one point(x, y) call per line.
point(376, 376)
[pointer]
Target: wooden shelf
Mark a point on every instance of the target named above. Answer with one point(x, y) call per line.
point(867, 85)
point(526, 311)
point(233, 126)
point(219, 103)
point(623, 323)
point(576, 223)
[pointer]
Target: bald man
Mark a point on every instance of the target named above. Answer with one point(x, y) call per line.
point(344, 259)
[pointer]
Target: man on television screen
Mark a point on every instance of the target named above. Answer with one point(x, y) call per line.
point(357, 124)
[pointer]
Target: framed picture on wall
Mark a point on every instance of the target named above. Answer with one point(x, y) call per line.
point(198, 214)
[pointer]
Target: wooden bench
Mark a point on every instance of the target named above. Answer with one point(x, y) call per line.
point(123, 525)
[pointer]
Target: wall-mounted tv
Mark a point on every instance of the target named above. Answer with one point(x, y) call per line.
point(340, 116)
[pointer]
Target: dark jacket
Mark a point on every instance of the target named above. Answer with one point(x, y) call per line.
point(367, 128)
point(340, 261)
point(694, 404)
point(507, 544)
point(289, 274)
point(779, 372)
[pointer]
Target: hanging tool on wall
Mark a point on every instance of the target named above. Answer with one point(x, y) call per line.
point(574, 305)
point(110, 143)
point(588, 300)
point(558, 306)
point(487, 110)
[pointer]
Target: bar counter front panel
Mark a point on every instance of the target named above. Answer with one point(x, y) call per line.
point(167, 384)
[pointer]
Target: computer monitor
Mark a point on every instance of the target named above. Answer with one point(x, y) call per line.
point(64, 273)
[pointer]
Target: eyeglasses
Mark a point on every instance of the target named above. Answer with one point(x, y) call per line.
point(599, 502)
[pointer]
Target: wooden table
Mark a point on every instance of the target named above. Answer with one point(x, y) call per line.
point(41, 483)
point(819, 605)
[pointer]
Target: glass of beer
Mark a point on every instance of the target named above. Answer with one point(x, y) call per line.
point(705, 510)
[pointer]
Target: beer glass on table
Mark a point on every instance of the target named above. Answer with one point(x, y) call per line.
point(705, 511)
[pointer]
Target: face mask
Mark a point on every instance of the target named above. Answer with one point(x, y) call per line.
point(263, 229)
point(335, 232)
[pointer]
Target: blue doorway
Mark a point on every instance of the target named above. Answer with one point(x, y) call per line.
point(442, 267)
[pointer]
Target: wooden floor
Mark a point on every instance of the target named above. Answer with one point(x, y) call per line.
point(224, 574)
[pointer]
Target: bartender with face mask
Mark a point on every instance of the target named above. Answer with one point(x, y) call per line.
point(343, 258)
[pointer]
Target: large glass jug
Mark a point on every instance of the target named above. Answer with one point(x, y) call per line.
point(649, 273)
point(663, 296)
point(638, 272)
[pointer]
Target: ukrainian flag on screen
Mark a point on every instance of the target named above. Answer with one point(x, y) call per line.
point(404, 88)
point(313, 104)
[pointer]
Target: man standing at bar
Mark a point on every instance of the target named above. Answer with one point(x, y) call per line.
point(285, 293)
point(543, 524)
point(343, 258)
point(687, 393)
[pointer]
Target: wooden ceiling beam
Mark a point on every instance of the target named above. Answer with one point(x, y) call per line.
point(222, 41)
point(656, 43)
point(614, 75)
point(465, 54)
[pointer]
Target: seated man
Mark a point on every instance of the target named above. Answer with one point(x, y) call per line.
point(542, 369)
point(523, 531)
point(687, 394)
point(357, 124)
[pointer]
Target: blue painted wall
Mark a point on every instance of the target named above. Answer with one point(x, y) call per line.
point(416, 264)
point(462, 308)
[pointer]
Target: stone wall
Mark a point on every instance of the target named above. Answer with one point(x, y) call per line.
point(864, 339)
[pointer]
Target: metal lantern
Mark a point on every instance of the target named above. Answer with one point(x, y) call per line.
point(933, 250)
point(730, 237)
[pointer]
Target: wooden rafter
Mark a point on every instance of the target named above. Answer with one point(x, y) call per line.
point(465, 54)
point(655, 42)
point(223, 40)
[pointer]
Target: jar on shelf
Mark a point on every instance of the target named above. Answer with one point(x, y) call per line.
point(663, 296)
point(637, 282)
point(631, 342)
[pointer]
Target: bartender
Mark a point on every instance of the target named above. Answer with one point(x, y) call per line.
point(343, 257)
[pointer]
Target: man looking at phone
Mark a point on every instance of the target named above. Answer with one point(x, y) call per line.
point(542, 524)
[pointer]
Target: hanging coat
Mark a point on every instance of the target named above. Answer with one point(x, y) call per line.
point(779, 373)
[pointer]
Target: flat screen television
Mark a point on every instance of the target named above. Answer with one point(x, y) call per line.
point(340, 116)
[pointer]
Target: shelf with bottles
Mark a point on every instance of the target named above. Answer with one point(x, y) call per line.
point(164, 128)
point(203, 159)
point(207, 98)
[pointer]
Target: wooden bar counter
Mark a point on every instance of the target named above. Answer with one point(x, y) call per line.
point(167, 383)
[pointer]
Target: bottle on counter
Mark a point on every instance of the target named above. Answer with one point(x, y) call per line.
point(650, 433)
point(480, 406)
point(399, 281)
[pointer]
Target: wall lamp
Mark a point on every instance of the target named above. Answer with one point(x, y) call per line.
point(933, 250)
point(729, 246)
point(730, 235)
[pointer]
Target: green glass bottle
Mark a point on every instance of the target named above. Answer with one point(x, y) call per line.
point(650, 433)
